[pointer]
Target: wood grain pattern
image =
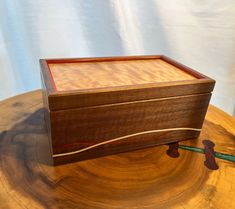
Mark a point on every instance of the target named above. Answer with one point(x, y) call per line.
point(78, 128)
point(86, 75)
point(95, 101)
point(95, 97)
point(137, 85)
point(145, 178)
point(103, 99)
point(124, 138)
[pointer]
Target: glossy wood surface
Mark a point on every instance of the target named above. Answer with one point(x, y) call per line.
point(106, 80)
point(92, 104)
point(135, 123)
point(86, 75)
point(147, 178)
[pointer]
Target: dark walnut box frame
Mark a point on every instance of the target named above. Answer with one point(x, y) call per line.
point(100, 106)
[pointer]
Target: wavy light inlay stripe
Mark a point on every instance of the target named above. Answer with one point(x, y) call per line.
point(124, 137)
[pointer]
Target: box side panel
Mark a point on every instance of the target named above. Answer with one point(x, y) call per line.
point(85, 133)
point(46, 110)
point(48, 83)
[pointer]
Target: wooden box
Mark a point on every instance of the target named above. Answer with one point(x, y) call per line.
point(100, 106)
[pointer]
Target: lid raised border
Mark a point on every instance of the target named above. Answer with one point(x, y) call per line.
point(60, 100)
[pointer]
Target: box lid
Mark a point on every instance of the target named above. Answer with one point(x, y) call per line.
point(82, 82)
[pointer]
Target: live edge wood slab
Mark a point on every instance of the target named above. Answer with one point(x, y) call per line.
point(101, 106)
point(146, 178)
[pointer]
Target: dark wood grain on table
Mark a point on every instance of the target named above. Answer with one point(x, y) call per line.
point(147, 178)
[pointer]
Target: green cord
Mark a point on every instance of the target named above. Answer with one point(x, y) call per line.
point(223, 156)
point(219, 155)
point(194, 149)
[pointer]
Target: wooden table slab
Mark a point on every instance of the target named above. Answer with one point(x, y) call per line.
point(146, 178)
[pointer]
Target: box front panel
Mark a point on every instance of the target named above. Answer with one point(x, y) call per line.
point(96, 131)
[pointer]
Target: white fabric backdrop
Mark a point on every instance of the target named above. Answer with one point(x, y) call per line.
point(200, 34)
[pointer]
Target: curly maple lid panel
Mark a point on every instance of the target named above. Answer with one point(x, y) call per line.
point(87, 75)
